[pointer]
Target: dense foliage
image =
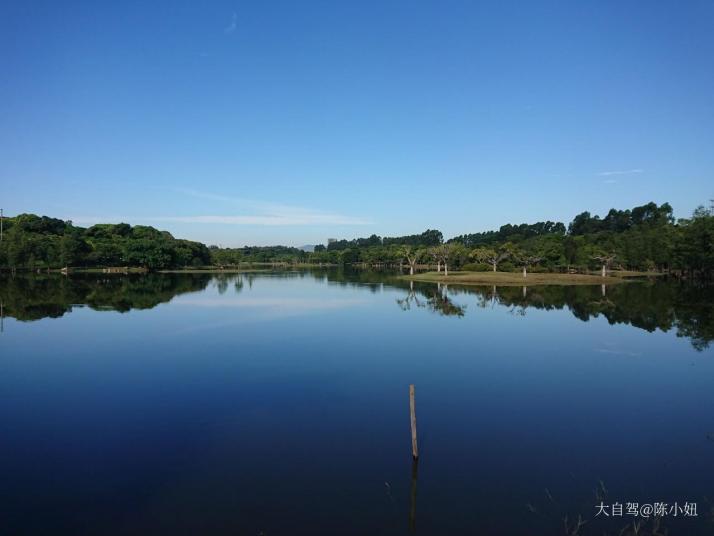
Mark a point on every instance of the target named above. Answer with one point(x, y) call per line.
point(31, 242)
point(511, 232)
point(260, 254)
point(429, 237)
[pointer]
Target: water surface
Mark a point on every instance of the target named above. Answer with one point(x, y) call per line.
point(277, 403)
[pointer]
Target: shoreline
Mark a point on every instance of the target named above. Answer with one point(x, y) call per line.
point(252, 267)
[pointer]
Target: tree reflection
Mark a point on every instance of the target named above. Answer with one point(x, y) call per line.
point(652, 305)
point(411, 298)
point(435, 299)
point(52, 295)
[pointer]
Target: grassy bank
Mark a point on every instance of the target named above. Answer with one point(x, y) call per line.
point(517, 279)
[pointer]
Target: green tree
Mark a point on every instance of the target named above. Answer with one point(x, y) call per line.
point(493, 256)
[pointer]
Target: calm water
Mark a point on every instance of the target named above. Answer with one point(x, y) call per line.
point(277, 404)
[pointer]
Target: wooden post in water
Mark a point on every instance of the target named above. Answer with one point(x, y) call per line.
point(412, 411)
point(413, 495)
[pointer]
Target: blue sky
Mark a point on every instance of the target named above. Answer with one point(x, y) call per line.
point(289, 122)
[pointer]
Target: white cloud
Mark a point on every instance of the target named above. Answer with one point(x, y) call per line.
point(621, 172)
point(232, 26)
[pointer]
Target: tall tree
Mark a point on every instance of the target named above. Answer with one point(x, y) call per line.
point(526, 259)
point(444, 253)
point(412, 256)
point(606, 259)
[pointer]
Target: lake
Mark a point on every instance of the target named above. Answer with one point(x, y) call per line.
point(277, 403)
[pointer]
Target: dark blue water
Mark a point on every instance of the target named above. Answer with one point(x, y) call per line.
point(278, 404)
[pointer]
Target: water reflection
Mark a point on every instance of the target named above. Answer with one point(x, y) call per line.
point(413, 495)
point(648, 305)
point(435, 298)
point(662, 305)
point(53, 295)
point(201, 431)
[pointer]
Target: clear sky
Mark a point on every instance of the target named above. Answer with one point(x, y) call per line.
point(290, 122)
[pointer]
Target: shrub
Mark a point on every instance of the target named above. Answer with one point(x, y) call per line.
point(507, 267)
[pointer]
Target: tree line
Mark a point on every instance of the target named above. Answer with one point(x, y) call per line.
point(644, 238)
point(40, 242)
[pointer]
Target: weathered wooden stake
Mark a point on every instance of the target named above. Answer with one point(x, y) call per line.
point(412, 411)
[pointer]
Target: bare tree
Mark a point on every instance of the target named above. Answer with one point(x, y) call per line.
point(606, 259)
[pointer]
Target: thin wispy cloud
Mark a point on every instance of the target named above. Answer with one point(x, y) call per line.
point(239, 211)
point(300, 304)
point(617, 352)
point(216, 197)
point(304, 219)
point(233, 25)
point(621, 172)
point(254, 212)
point(261, 310)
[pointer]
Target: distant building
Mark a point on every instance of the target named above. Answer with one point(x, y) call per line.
point(331, 241)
